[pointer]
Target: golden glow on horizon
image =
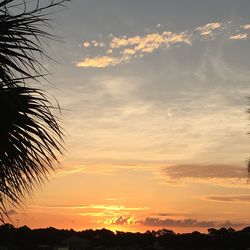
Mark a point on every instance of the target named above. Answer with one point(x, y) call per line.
point(158, 142)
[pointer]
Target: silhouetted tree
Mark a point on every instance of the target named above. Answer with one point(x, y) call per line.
point(30, 134)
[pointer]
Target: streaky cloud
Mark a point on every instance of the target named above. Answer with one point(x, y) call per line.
point(240, 36)
point(98, 62)
point(206, 171)
point(206, 30)
point(158, 222)
point(229, 198)
point(214, 174)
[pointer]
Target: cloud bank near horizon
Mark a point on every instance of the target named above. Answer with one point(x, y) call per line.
point(168, 222)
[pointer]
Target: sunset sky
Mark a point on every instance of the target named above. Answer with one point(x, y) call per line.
point(154, 98)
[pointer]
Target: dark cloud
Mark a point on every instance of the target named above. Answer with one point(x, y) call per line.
point(158, 222)
point(205, 171)
point(121, 221)
point(165, 214)
point(229, 224)
point(154, 221)
point(229, 198)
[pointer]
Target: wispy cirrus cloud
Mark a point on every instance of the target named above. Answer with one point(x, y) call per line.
point(229, 198)
point(216, 174)
point(93, 214)
point(118, 208)
point(206, 171)
point(102, 207)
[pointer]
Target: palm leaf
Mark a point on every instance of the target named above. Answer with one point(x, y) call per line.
point(30, 134)
point(21, 38)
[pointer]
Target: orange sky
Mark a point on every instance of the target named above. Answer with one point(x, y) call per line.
point(154, 98)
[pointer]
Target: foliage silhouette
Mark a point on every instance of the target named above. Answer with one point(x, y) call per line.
point(215, 239)
point(31, 136)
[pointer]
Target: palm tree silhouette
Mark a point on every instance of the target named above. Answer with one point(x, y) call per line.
point(30, 134)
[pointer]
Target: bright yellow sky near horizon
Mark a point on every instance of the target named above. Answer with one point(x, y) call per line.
point(154, 99)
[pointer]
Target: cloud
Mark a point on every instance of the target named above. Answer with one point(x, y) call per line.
point(98, 62)
point(230, 224)
point(170, 214)
point(132, 46)
point(93, 214)
point(246, 26)
point(86, 44)
point(148, 43)
point(206, 171)
point(151, 221)
point(158, 222)
point(152, 40)
point(96, 44)
point(124, 48)
point(120, 221)
point(239, 36)
point(216, 174)
point(129, 52)
point(97, 207)
point(229, 198)
point(118, 208)
point(206, 30)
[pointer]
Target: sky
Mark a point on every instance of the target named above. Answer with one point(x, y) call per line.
point(154, 99)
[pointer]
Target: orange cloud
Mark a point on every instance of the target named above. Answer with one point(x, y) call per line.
point(150, 42)
point(118, 208)
point(239, 36)
point(98, 207)
point(86, 44)
point(206, 30)
point(137, 46)
point(246, 26)
point(129, 52)
point(98, 62)
point(229, 198)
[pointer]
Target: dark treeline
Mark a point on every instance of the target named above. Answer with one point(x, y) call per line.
point(52, 238)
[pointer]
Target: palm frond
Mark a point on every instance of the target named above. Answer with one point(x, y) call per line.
point(30, 134)
point(22, 32)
